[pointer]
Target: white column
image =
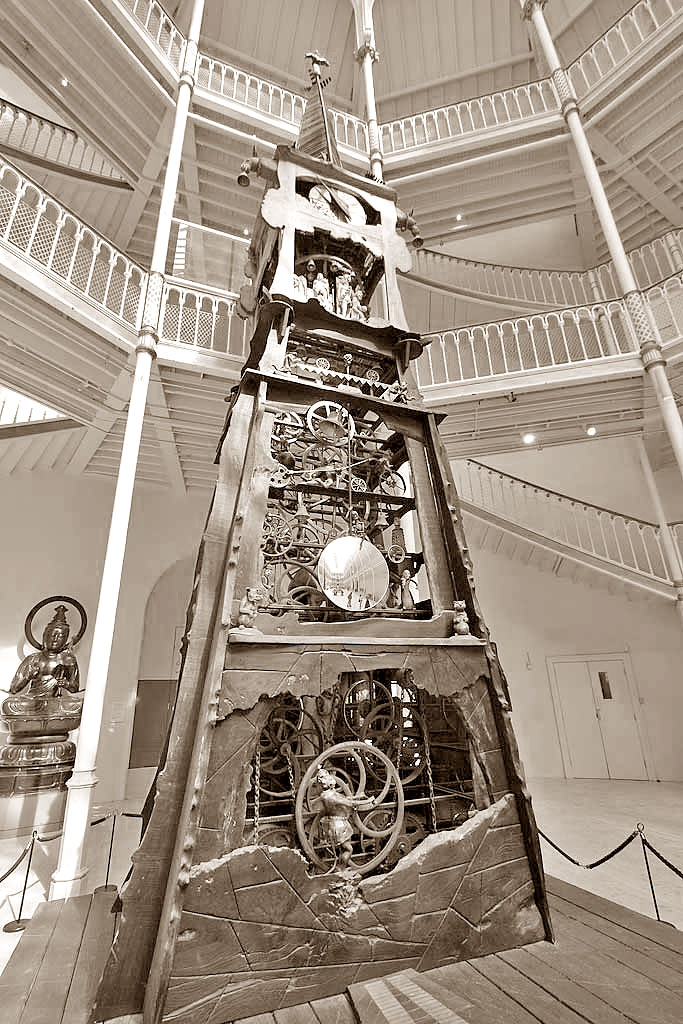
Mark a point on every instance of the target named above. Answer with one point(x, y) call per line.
point(639, 313)
point(69, 878)
point(366, 55)
point(669, 547)
point(675, 252)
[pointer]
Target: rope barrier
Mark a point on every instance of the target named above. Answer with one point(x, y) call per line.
point(17, 861)
point(638, 833)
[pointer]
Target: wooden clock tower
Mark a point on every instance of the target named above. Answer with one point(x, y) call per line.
point(341, 795)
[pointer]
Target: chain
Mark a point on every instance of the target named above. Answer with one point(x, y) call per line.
point(257, 793)
point(399, 706)
point(290, 768)
point(430, 782)
point(428, 759)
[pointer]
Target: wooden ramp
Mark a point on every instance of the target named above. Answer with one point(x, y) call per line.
point(608, 966)
point(53, 972)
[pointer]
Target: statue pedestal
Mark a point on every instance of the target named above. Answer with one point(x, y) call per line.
point(36, 758)
point(42, 810)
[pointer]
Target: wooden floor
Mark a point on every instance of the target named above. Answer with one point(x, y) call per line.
point(608, 966)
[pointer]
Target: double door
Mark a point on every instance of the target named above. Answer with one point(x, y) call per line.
point(597, 717)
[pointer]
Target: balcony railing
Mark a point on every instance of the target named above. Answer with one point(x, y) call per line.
point(202, 319)
point(168, 40)
point(469, 117)
point(37, 226)
point(33, 224)
point(544, 340)
point(619, 42)
point(36, 137)
point(499, 109)
point(652, 263)
point(622, 541)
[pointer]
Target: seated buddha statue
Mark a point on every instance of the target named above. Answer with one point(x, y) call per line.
point(42, 685)
point(42, 709)
point(53, 668)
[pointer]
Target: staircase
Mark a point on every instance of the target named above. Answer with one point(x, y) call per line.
point(561, 534)
point(28, 136)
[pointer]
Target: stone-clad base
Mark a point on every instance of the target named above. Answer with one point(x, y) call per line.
point(259, 933)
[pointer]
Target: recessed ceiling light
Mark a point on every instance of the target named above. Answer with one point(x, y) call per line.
point(245, 231)
point(64, 82)
point(458, 216)
point(528, 438)
point(591, 431)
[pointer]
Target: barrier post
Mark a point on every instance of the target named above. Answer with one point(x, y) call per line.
point(21, 922)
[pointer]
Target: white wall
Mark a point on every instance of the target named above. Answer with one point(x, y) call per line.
point(54, 534)
point(533, 615)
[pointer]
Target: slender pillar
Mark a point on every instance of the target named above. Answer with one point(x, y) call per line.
point(675, 252)
point(669, 547)
point(70, 874)
point(639, 313)
point(604, 324)
point(366, 55)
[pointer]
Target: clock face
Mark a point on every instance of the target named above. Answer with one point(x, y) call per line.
point(336, 204)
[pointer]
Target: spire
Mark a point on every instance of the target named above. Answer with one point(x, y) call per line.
point(316, 133)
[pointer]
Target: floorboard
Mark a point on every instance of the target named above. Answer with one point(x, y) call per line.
point(22, 968)
point(610, 965)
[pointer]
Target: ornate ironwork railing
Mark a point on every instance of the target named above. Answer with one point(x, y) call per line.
point(623, 541)
point(36, 225)
point(41, 139)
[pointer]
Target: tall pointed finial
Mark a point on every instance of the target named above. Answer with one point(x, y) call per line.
point(316, 133)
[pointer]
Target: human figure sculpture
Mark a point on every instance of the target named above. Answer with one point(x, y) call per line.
point(344, 295)
point(321, 291)
point(52, 669)
point(461, 626)
point(248, 608)
point(407, 601)
point(311, 271)
point(335, 824)
point(358, 311)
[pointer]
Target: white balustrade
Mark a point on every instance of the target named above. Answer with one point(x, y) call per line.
point(652, 263)
point(469, 117)
point(619, 42)
point(202, 319)
point(151, 17)
point(622, 541)
point(666, 303)
point(37, 137)
point(34, 224)
point(559, 338)
point(16, 409)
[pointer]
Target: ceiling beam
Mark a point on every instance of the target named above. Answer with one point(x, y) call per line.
point(623, 165)
point(103, 421)
point(148, 178)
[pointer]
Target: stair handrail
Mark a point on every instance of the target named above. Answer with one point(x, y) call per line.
point(64, 147)
point(560, 494)
point(603, 534)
